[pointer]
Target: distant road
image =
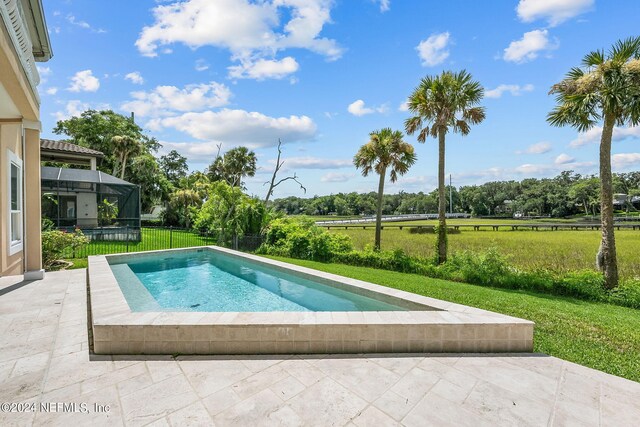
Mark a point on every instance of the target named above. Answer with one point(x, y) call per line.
point(394, 218)
point(494, 227)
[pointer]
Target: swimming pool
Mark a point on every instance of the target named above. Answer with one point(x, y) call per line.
point(213, 300)
point(216, 282)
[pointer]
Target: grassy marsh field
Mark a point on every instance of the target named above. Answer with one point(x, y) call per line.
point(561, 250)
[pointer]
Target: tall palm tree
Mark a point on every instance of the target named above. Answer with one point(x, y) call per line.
point(385, 150)
point(448, 102)
point(605, 89)
point(124, 147)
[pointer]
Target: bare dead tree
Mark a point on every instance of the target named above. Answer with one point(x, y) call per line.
point(273, 183)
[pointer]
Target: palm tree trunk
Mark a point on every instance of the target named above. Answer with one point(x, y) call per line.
point(442, 208)
point(124, 165)
point(606, 260)
point(379, 211)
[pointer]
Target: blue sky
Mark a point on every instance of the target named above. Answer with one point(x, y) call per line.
point(321, 75)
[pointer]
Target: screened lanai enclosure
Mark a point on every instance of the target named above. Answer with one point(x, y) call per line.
point(102, 206)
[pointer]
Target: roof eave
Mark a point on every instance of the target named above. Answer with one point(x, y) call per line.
point(42, 51)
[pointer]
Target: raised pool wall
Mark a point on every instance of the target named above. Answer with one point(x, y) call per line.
point(430, 325)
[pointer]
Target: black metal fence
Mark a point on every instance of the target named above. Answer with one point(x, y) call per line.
point(108, 240)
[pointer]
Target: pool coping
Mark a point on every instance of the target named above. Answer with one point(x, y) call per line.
point(447, 327)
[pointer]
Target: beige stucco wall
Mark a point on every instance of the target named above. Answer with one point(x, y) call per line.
point(22, 96)
point(33, 211)
point(10, 139)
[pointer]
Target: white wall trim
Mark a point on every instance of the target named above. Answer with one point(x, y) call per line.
point(18, 245)
point(32, 125)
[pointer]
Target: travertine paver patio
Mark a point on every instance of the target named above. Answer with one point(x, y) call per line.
point(44, 357)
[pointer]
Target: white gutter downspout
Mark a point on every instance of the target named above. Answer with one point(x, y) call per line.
point(24, 199)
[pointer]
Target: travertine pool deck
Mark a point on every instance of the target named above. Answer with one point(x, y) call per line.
point(44, 357)
point(428, 325)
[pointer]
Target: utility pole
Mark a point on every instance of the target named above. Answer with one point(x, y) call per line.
point(450, 196)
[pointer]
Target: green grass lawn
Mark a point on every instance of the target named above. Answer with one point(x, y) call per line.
point(152, 239)
point(600, 336)
point(561, 250)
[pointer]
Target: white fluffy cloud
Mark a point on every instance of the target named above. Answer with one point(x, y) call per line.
point(51, 91)
point(404, 106)
point(249, 30)
point(539, 148)
point(84, 81)
point(553, 11)
point(195, 151)
point(625, 160)
point(239, 127)
point(74, 108)
point(264, 69)
point(514, 90)
point(433, 50)
point(593, 135)
point(540, 170)
point(563, 159)
point(135, 77)
point(337, 177)
point(201, 65)
point(358, 108)
point(166, 99)
point(310, 162)
point(528, 47)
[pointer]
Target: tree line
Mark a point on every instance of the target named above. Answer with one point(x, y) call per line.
point(568, 194)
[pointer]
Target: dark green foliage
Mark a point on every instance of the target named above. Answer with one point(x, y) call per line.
point(301, 239)
point(174, 167)
point(566, 194)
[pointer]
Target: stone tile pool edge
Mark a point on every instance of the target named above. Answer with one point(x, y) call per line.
point(439, 326)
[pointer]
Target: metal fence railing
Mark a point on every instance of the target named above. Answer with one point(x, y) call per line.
point(109, 240)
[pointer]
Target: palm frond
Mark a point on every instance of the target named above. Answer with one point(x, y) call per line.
point(593, 59)
point(623, 50)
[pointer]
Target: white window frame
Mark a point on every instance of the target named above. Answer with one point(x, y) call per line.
point(15, 246)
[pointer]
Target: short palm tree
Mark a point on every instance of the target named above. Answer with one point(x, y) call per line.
point(448, 102)
point(385, 150)
point(124, 147)
point(605, 89)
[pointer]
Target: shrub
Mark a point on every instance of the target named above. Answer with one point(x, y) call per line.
point(488, 267)
point(300, 238)
point(56, 243)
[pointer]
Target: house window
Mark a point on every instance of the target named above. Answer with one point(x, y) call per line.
point(15, 203)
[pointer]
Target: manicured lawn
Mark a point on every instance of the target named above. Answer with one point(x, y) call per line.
point(562, 250)
point(600, 336)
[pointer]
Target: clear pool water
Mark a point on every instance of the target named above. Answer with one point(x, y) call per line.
point(210, 281)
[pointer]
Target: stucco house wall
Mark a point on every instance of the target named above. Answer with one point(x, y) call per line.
point(23, 40)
